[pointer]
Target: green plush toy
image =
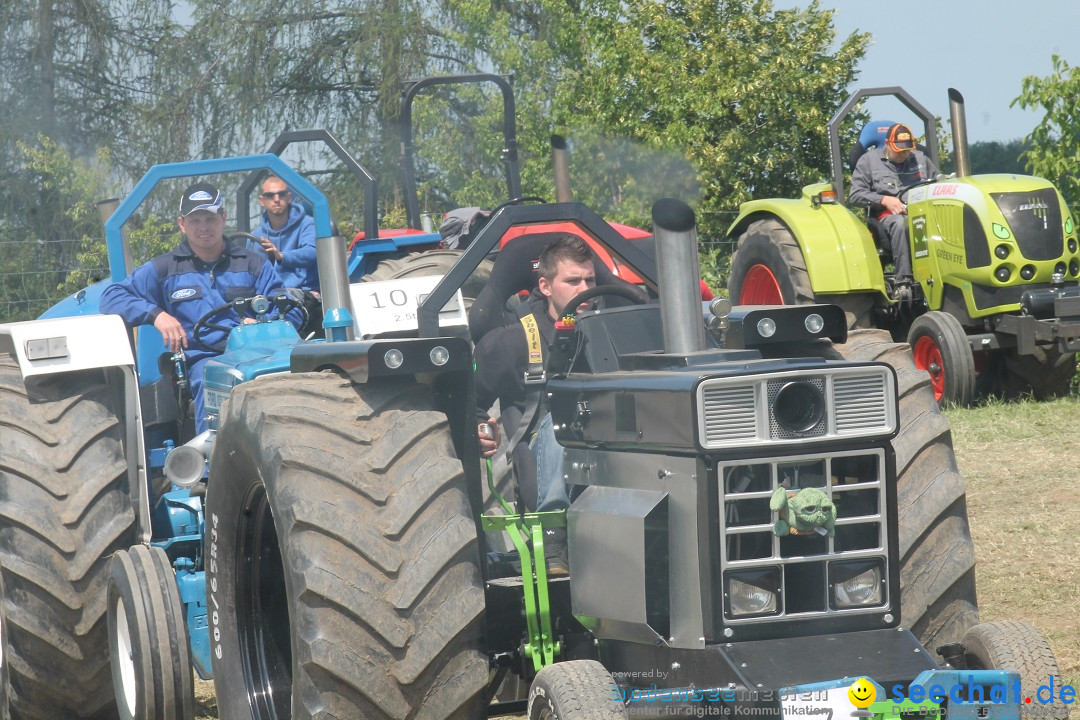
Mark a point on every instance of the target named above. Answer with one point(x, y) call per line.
point(804, 512)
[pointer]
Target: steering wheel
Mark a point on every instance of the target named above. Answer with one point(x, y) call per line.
point(902, 197)
point(205, 324)
point(627, 293)
point(285, 300)
point(246, 235)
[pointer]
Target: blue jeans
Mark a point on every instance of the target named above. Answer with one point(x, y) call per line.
point(550, 483)
point(195, 380)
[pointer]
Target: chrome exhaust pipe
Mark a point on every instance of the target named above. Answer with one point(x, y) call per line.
point(185, 465)
point(561, 166)
point(334, 281)
point(675, 230)
point(959, 133)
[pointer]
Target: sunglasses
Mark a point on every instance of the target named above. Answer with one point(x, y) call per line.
point(272, 195)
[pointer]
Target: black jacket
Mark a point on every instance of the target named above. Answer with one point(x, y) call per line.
point(502, 357)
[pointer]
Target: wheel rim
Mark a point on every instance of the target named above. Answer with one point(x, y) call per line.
point(928, 357)
point(759, 287)
point(263, 617)
point(126, 661)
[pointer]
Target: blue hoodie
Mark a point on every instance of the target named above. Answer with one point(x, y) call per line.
point(296, 242)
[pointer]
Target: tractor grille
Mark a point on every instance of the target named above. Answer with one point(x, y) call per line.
point(1035, 220)
point(811, 575)
point(741, 412)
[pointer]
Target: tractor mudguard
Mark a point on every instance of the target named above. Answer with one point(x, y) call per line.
point(71, 344)
point(837, 246)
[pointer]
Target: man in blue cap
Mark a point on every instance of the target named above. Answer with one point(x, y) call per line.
point(175, 290)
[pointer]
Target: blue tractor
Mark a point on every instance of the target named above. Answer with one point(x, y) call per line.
point(102, 555)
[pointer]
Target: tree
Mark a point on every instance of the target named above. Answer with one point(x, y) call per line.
point(740, 91)
point(1055, 141)
point(996, 157)
point(58, 216)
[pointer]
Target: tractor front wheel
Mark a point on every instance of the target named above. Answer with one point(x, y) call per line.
point(574, 690)
point(1010, 645)
point(941, 348)
point(343, 574)
point(148, 642)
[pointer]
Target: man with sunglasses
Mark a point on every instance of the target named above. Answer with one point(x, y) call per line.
point(287, 235)
point(881, 174)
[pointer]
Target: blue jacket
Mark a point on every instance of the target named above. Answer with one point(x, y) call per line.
point(187, 288)
point(296, 241)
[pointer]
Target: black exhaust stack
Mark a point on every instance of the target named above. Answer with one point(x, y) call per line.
point(959, 133)
point(561, 167)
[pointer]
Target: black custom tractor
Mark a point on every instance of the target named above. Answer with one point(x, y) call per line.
point(348, 565)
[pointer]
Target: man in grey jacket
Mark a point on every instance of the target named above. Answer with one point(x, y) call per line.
point(881, 174)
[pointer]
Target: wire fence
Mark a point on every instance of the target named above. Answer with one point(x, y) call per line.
point(33, 272)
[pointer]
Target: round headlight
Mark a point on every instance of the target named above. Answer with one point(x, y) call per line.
point(814, 323)
point(1002, 274)
point(1074, 267)
point(1059, 268)
point(439, 355)
point(766, 327)
point(1027, 272)
point(1072, 244)
point(798, 407)
point(393, 358)
point(1002, 251)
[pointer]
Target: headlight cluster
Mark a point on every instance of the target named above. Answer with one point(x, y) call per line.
point(758, 592)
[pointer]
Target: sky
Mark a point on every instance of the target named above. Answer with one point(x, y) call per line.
point(983, 48)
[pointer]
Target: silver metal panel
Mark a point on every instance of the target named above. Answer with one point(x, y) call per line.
point(608, 582)
point(859, 403)
point(689, 569)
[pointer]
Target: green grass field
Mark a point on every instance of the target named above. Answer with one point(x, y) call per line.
point(1020, 464)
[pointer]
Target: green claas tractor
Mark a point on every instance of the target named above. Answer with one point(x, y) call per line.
point(994, 307)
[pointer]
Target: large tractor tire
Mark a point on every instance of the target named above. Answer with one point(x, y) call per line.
point(937, 556)
point(342, 565)
point(1017, 646)
point(148, 640)
point(574, 690)
point(940, 348)
point(433, 262)
point(1044, 375)
point(768, 268)
point(65, 507)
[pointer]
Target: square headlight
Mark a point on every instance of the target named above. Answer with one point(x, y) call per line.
point(858, 583)
point(750, 593)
